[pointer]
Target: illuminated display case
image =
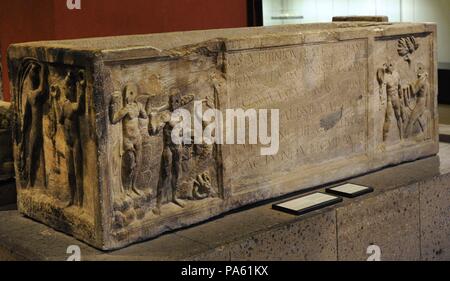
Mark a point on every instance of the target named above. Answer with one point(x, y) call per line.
point(308, 11)
point(276, 12)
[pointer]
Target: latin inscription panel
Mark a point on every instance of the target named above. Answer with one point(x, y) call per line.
point(321, 93)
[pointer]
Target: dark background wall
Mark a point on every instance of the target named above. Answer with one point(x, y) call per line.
point(31, 20)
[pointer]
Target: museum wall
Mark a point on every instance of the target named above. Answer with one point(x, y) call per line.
point(432, 11)
point(397, 10)
point(25, 20)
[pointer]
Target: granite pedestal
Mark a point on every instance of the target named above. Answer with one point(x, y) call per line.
point(407, 217)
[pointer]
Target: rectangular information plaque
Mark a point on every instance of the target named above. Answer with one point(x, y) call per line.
point(306, 204)
point(349, 190)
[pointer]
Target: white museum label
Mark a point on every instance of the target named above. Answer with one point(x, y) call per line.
point(307, 203)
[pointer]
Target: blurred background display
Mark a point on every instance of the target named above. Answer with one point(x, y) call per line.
point(309, 11)
point(275, 12)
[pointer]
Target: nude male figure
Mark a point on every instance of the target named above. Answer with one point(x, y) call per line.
point(171, 159)
point(32, 124)
point(68, 113)
point(390, 79)
point(129, 115)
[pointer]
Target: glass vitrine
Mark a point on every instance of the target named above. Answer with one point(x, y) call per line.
point(307, 11)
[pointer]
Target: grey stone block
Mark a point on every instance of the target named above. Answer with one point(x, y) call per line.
point(219, 254)
point(406, 216)
point(389, 220)
point(310, 239)
point(435, 218)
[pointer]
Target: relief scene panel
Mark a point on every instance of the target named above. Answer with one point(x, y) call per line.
point(154, 178)
point(53, 143)
point(404, 85)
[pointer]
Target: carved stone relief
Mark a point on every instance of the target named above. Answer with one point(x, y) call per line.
point(52, 138)
point(126, 109)
point(406, 96)
point(406, 47)
point(187, 172)
point(32, 95)
point(68, 102)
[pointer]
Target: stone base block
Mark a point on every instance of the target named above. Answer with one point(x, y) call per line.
point(406, 217)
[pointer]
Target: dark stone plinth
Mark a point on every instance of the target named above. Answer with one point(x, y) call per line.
point(406, 216)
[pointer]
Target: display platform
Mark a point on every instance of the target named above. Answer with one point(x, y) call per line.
point(406, 217)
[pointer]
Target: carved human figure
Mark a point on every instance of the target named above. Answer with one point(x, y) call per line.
point(389, 78)
point(420, 88)
point(129, 115)
point(171, 159)
point(202, 187)
point(68, 113)
point(32, 134)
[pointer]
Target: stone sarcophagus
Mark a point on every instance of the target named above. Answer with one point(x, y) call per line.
point(94, 126)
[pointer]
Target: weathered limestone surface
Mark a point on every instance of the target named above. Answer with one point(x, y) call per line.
point(90, 160)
